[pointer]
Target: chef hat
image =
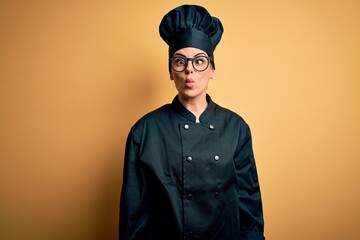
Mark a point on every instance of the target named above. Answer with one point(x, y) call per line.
point(191, 26)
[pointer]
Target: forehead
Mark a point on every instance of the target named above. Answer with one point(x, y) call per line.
point(190, 52)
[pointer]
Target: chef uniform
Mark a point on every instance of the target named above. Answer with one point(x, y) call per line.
point(185, 179)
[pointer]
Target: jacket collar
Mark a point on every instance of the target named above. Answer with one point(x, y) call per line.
point(204, 117)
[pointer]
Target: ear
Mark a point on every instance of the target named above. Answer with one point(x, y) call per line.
point(212, 73)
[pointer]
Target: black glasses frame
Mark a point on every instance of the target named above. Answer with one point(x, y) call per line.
point(192, 62)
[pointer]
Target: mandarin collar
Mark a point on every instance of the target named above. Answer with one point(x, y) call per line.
point(184, 112)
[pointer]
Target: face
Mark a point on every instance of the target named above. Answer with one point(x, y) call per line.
point(191, 84)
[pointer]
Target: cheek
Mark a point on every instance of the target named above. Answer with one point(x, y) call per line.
point(206, 77)
point(175, 75)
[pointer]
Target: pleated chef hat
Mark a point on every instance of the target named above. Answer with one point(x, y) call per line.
point(191, 26)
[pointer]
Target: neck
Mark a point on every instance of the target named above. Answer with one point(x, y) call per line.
point(195, 105)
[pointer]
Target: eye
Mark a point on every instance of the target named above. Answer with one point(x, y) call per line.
point(179, 61)
point(200, 60)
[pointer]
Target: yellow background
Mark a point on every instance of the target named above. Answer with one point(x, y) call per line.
point(76, 75)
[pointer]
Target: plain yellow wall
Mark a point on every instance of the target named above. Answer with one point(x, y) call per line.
point(75, 75)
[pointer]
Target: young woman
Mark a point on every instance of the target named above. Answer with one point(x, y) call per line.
point(189, 170)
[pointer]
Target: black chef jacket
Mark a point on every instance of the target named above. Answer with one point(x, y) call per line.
point(187, 180)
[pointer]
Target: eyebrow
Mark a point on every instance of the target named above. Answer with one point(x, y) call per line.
point(182, 55)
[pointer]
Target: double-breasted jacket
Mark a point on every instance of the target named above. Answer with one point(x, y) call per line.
point(187, 180)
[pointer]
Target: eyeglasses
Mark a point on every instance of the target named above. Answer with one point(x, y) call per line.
point(199, 63)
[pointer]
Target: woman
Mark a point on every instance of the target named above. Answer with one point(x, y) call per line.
point(189, 170)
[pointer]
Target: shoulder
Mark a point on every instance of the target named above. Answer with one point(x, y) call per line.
point(228, 116)
point(150, 119)
point(233, 123)
point(155, 115)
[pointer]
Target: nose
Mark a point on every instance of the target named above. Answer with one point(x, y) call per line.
point(189, 67)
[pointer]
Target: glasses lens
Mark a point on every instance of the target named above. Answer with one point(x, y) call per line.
point(178, 64)
point(200, 63)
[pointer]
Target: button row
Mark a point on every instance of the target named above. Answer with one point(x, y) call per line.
point(189, 158)
point(190, 196)
point(186, 126)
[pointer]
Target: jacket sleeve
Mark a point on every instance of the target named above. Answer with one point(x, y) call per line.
point(250, 205)
point(133, 210)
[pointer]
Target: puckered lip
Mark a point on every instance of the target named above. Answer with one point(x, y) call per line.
point(189, 80)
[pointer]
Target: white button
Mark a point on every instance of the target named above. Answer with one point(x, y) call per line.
point(216, 157)
point(189, 196)
point(189, 158)
point(211, 126)
point(186, 126)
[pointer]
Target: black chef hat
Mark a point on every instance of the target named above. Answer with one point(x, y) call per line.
point(191, 26)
